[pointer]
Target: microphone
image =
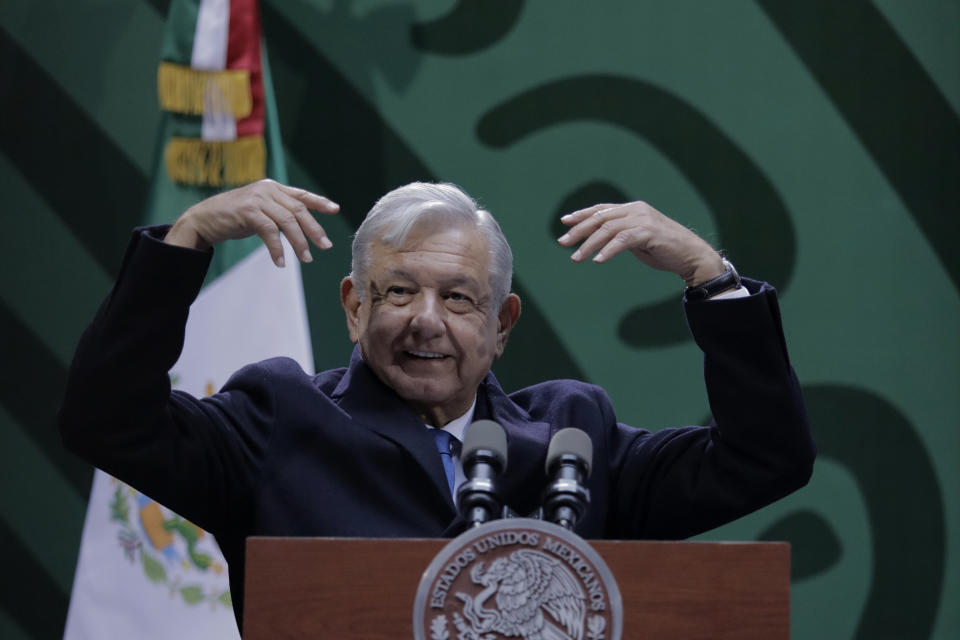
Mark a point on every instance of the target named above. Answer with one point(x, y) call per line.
point(484, 457)
point(569, 457)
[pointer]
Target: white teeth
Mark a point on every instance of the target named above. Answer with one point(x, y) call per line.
point(426, 354)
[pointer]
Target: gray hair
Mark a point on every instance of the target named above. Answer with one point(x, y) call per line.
point(399, 212)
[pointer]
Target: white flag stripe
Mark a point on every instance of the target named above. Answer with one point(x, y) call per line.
point(210, 40)
point(210, 36)
point(252, 312)
point(113, 599)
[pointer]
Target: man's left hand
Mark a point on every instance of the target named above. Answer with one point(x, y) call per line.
point(655, 239)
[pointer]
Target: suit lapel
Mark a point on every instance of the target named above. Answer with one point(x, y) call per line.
point(373, 405)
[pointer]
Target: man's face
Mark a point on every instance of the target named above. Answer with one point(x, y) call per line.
point(428, 326)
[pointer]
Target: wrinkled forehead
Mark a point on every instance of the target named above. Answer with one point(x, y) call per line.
point(446, 252)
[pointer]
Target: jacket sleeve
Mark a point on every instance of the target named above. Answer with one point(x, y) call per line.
point(119, 413)
point(675, 483)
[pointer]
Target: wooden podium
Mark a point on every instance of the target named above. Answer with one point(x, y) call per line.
point(364, 589)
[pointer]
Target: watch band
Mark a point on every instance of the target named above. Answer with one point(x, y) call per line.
point(727, 280)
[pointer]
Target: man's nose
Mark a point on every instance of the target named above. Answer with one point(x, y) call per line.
point(427, 319)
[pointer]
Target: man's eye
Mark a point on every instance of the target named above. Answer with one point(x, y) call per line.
point(458, 301)
point(398, 294)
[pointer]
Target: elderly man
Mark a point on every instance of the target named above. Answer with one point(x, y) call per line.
point(351, 452)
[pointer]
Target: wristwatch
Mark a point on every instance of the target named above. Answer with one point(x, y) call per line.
point(727, 280)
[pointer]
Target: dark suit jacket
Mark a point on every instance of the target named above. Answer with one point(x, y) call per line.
point(280, 452)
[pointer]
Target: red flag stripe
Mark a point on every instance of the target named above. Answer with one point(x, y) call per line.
point(243, 52)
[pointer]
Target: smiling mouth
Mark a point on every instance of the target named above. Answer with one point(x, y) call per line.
point(426, 355)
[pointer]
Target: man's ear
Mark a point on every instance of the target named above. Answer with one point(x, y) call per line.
point(506, 319)
point(350, 299)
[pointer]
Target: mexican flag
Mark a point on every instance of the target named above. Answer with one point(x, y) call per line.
point(144, 572)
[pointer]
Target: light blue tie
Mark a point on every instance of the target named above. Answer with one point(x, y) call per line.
point(448, 446)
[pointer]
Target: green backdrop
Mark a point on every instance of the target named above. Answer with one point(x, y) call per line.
point(816, 141)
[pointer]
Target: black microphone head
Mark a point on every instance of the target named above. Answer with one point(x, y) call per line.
point(488, 435)
point(570, 441)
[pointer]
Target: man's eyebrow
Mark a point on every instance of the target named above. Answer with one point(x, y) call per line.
point(399, 273)
point(456, 281)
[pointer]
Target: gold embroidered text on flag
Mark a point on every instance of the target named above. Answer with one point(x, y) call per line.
point(210, 81)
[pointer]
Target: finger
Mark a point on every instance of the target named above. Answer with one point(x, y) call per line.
point(600, 238)
point(590, 224)
point(264, 226)
point(582, 225)
point(578, 216)
point(307, 223)
point(632, 238)
point(289, 226)
point(311, 200)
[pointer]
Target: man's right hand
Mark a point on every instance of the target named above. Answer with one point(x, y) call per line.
point(265, 208)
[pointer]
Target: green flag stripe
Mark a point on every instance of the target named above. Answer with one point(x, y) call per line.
point(179, 34)
point(276, 165)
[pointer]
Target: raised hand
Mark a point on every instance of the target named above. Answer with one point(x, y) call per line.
point(656, 240)
point(265, 208)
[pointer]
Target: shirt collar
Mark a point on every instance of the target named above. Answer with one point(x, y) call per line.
point(457, 426)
